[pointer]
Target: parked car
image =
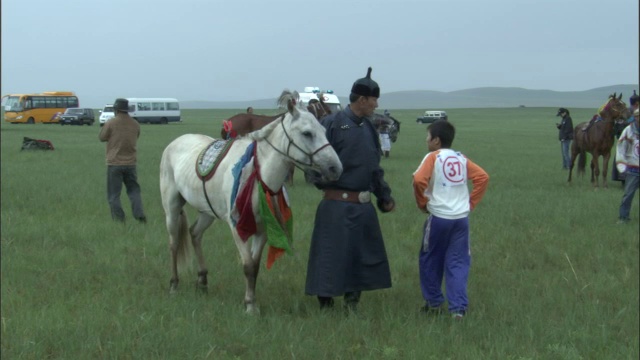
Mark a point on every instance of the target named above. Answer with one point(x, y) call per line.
point(431, 116)
point(106, 114)
point(77, 116)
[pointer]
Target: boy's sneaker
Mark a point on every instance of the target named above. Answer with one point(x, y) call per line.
point(458, 315)
point(622, 221)
point(426, 309)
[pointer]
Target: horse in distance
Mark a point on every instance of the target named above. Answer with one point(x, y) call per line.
point(597, 139)
point(318, 108)
point(254, 167)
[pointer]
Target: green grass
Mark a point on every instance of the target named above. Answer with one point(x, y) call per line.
point(552, 277)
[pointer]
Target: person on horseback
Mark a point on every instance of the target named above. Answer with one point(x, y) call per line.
point(597, 117)
point(565, 135)
point(628, 162)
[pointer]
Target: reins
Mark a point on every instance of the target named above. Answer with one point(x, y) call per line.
point(291, 142)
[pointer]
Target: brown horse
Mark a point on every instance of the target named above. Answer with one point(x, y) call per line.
point(318, 108)
point(597, 140)
point(242, 124)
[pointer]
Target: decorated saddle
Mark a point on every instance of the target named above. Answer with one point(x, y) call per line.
point(210, 158)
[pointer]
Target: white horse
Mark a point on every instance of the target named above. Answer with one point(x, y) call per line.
point(295, 139)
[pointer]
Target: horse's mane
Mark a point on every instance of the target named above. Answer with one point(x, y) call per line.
point(287, 100)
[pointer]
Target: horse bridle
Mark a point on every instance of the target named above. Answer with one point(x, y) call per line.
point(614, 108)
point(291, 142)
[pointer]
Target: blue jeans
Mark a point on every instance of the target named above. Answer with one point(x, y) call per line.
point(445, 252)
point(566, 154)
point(631, 182)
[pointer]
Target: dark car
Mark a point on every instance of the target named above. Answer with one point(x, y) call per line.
point(77, 116)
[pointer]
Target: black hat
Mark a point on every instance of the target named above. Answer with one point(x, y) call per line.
point(121, 105)
point(562, 110)
point(366, 86)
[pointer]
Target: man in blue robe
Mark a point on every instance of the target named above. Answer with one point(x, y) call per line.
point(347, 254)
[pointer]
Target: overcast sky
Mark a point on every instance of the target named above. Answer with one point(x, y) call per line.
point(253, 49)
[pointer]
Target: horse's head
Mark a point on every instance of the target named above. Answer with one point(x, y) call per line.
point(615, 109)
point(300, 138)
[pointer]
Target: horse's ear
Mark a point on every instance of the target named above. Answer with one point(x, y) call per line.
point(620, 97)
point(612, 96)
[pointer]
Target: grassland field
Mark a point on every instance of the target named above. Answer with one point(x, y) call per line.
point(552, 276)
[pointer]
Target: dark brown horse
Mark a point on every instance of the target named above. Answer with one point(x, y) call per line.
point(318, 108)
point(597, 140)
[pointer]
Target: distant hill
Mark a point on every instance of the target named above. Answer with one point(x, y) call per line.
point(485, 97)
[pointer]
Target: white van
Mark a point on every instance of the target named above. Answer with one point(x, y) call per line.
point(154, 110)
point(106, 114)
point(431, 116)
point(329, 98)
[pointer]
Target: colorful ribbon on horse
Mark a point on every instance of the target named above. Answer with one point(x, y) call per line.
point(274, 210)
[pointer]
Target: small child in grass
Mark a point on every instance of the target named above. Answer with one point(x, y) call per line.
point(440, 189)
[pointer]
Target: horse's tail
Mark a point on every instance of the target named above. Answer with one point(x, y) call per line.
point(582, 162)
point(184, 239)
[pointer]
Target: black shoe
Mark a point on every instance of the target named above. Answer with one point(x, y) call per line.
point(458, 315)
point(142, 220)
point(428, 310)
point(325, 302)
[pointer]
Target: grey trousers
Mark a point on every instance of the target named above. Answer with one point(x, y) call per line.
point(116, 176)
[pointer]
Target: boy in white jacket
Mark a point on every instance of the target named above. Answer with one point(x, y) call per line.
point(440, 189)
point(627, 162)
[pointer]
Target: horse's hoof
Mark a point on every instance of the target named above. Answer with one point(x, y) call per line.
point(173, 286)
point(202, 289)
point(252, 310)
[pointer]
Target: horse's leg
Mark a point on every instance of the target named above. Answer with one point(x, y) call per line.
point(197, 229)
point(250, 253)
point(595, 170)
point(177, 227)
point(574, 155)
point(605, 165)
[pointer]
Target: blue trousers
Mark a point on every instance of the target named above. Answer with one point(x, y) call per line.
point(566, 154)
point(445, 252)
point(630, 186)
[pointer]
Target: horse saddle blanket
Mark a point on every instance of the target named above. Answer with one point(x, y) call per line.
point(210, 157)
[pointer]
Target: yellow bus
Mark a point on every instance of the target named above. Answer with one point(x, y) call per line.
point(38, 108)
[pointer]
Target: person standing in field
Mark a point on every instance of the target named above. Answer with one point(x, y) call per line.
point(383, 124)
point(440, 190)
point(565, 134)
point(347, 253)
point(618, 127)
point(121, 135)
point(628, 162)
